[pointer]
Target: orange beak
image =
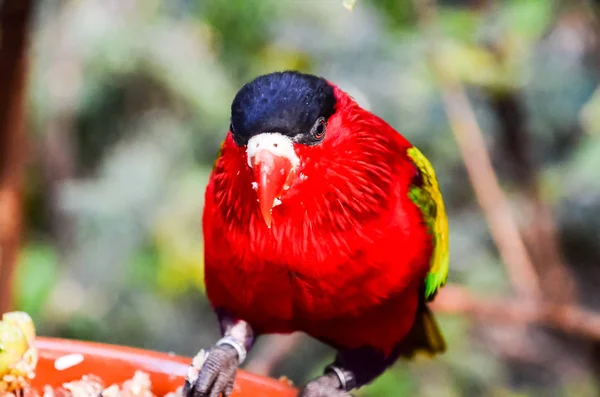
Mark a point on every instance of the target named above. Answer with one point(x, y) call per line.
point(273, 176)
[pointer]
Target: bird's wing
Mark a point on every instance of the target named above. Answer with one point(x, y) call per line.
point(427, 196)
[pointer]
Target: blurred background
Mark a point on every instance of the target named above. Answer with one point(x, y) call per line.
point(104, 162)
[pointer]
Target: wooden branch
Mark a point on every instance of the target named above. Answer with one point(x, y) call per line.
point(14, 25)
point(539, 232)
point(567, 318)
point(468, 135)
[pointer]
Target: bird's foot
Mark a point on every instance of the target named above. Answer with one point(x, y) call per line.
point(324, 386)
point(212, 373)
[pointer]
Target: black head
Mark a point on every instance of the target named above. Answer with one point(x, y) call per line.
point(292, 103)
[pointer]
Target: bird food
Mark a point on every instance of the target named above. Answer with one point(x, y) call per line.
point(92, 386)
point(19, 358)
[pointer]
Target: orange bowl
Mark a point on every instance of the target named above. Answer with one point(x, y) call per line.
point(116, 364)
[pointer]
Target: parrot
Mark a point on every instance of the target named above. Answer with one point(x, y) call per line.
point(319, 217)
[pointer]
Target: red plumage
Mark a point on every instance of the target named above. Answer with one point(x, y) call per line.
point(347, 250)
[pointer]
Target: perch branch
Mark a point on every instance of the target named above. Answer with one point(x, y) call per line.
point(469, 138)
point(567, 318)
point(14, 21)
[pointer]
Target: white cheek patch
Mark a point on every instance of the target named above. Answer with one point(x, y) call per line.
point(279, 145)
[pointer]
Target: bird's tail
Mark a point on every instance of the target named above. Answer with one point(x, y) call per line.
point(425, 335)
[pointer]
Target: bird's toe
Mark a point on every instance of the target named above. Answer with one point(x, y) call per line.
point(212, 374)
point(323, 386)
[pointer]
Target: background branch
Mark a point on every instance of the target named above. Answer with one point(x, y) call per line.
point(570, 319)
point(14, 23)
point(468, 135)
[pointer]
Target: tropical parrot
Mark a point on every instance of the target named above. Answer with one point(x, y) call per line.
point(319, 217)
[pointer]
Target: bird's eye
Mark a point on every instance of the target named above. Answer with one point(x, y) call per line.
point(319, 128)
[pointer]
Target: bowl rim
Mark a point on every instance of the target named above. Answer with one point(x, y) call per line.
point(50, 348)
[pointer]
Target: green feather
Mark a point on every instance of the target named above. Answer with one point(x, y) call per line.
point(429, 200)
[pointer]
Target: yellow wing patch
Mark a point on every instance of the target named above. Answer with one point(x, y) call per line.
point(428, 198)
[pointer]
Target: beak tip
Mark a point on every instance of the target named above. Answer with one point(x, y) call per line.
point(268, 218)
point(266, 213)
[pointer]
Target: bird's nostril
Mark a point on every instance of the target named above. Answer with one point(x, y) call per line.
point(257, 144)
point(274, 145)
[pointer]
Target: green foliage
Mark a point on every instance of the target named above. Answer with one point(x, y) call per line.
point(527, 19)
point(36, 276)
point(398, 14)
point(590, 116)
point(582, 172)
point(143, 270)
point(177, 235)
point(240, 29)
point(397, 382)
point(461, 24)
point(492, 51)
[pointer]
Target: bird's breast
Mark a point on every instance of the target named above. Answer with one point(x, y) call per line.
point(280, 278)
point(337, 253)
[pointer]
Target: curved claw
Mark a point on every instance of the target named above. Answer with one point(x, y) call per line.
point(324, 386)
point(212, 374)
